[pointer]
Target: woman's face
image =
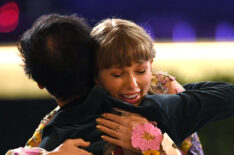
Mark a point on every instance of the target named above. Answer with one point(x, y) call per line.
point(128, 83)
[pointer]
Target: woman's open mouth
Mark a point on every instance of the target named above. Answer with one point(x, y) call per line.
point(130, 98)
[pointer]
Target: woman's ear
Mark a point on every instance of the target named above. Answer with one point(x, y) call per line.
point(40, 86)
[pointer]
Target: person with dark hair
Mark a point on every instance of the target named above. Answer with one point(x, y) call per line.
point(58, 54)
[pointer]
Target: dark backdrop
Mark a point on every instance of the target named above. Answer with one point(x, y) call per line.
point(19, 119)
point(179, 20)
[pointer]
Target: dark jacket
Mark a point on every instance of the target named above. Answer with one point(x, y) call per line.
point(179, 115)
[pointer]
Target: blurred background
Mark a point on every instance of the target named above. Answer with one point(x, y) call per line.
point(194, 41)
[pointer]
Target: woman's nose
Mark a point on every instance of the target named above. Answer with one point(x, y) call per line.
point(132, 82)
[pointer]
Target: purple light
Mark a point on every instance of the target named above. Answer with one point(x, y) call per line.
point(224, 31)
point(148, 29)
point(183, 31)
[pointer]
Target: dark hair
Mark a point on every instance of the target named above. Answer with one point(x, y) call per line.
point(58, 53)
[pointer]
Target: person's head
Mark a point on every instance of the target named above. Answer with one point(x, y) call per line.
point(124, 58)
point(58, 53)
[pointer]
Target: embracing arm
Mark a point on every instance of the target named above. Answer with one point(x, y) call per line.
point(201, 85)
point(182, 114)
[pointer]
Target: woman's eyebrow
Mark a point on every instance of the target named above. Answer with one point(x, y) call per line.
point(116, 68)
point(141, 64)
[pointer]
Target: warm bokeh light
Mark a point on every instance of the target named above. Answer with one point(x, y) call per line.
point(193, 61)
point(13, 82)
point(195, 50)
point(9, 55)
point(9, 17)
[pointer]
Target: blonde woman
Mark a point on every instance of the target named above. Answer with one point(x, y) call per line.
point(124, 64)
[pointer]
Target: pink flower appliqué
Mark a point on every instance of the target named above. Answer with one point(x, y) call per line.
point(27, 151)
point(146, 137)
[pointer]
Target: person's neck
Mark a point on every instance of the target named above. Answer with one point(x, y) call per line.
point(62, 103)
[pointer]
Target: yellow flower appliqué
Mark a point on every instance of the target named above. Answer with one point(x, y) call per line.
point(151, 152)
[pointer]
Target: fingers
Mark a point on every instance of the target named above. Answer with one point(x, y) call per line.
point(111, 132)
point(71, 147)
point(111, 140)
point(133, 116)
point(174, 87)
point(124, 118)
point(113, 121)
point(77, 142)
point(118, 128)
point(108, 123)
point(126, 113)
point(123, 112)
point(114, 118)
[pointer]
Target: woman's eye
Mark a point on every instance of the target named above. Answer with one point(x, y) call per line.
point(141, 72)
point(117, 75)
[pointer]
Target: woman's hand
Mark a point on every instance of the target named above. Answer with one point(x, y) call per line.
point(119, 128)
point(163, 83)
point(174, 87)
point(71, 147)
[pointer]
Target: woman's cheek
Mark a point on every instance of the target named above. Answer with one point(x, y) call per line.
point(146, 84)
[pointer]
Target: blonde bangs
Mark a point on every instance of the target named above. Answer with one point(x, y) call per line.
point(121, 43)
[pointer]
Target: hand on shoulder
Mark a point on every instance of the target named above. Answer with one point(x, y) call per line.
point(163, 83)
point(70, 147)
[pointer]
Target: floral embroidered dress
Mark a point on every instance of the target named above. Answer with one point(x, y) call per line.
point(161, 83)
point(32, 146)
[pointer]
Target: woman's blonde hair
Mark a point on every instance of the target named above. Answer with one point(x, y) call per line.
point(121, 42)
